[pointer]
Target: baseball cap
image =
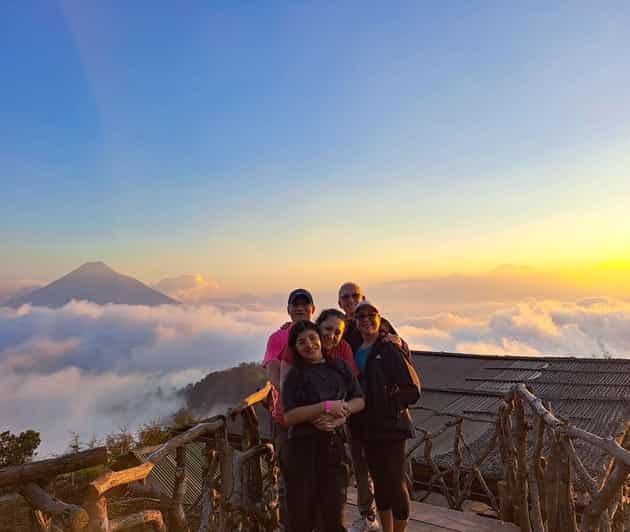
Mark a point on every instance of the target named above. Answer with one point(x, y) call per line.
point(300, 292)
point(365, 303)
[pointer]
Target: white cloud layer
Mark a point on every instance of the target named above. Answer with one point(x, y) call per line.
point(95, 369)
point(591, 328)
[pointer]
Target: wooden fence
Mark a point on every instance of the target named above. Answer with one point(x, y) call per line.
point(539, 464)
point(239, 492)
point(239, 488)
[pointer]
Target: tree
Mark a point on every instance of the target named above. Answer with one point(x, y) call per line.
point(119, 443)
point(183, 418)
point(74, 445)
point(16, 450)
point(152, 434)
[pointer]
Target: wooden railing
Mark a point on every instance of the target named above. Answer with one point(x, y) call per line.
point(539, 464)
point(239, 491)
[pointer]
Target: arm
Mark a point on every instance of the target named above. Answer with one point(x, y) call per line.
point(356, 405)
point(273, 373)
point(288, 361)
point(407, 390)
point(284, 369)
point(389, 334)
point(329, 423)
point(303, 414)
point(271, 362)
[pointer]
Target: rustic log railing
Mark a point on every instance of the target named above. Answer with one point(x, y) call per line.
point(239, 491)
point(539, 464)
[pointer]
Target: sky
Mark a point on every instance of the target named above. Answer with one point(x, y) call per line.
point(467, 162)
point(272, 145)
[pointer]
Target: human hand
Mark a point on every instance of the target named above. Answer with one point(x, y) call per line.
point(393, 338)
point(327, 422)
point(338, 409)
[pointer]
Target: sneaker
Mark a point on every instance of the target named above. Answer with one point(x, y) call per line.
point(365, 523)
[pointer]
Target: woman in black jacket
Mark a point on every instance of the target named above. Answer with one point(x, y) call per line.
point(390, 385)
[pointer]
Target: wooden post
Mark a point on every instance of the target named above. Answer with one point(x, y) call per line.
point(44, 523)
point(227, 479)
point(505, 510)
point(97, 511)
point(209, 494)
point(569, 494)
point(251, 473)
point(523, 485)
point(177, 516)
point(22, 474)
point(111, 479)
point(617, 477)
point(154, 517)
point(39, 499)
point(506, 448)
point(457, 465)
point(536, 484)
point(552, 491)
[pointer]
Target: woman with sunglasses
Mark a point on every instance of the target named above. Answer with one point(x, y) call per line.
point(317, 473)
point(390, 385)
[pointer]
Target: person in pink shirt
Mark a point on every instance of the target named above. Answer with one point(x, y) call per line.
point(299, 307)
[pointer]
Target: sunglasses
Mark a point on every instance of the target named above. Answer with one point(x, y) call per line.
point(356, 295)
point(367, 316)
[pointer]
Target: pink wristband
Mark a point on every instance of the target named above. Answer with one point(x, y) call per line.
point(327, 406)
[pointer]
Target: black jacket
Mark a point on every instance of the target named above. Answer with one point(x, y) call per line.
point(389, 390)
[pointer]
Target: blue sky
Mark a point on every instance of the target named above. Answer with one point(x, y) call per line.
point(264, 143)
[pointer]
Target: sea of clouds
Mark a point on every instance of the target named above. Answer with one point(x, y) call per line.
point(96, 369)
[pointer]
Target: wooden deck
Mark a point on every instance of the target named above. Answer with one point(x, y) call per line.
point(430, 518)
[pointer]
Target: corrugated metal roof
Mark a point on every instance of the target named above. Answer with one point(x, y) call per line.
point(593, 394)
point(163, 474)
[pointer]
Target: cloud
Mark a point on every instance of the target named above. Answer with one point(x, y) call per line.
point(193, 289)
point(595, 328)
point(94, 369)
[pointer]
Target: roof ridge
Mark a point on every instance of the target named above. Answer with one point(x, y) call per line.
point(531, 358)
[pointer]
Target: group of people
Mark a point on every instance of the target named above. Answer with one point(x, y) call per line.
point(347, 377)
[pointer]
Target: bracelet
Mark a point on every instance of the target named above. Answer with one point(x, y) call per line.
point(327, 407)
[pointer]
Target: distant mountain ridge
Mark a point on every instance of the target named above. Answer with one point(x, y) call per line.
point(95, 282)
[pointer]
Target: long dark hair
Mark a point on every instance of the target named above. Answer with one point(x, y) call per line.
point(297, 329)
point(328, 313)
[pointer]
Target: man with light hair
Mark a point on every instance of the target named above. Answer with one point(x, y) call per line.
point(350, 295)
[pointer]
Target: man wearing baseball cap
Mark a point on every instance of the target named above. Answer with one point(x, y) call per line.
point(299, 307)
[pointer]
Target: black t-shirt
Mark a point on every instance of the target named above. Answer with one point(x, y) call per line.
point(331, 380)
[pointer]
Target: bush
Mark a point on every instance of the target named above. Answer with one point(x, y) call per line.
point(16, 450)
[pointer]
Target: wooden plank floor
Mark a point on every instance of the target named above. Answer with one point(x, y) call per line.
point(429, 518)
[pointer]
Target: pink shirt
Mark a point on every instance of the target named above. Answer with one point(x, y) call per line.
point(275, 346)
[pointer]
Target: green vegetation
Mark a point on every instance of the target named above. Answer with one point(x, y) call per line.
point(16, 450)
point(226, 387)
